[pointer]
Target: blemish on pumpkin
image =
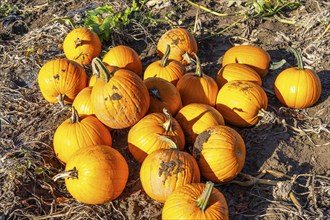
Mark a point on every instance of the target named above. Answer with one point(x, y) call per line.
point(172, 167)
point(57, 76)
point(115, 96)
point(114, 87)
point(106, 99)
point(198, 146)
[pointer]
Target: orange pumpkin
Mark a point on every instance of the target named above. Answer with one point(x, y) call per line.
point(197, 87)
point(237, 71)
point(120, 98)
point(220, 153)
point(143, 137)
point(76, 133)
point(253, 56)
point(240, 102)
point(124, 57)
point(61, 79)
point(83, 103)
point(196, 201)
point(170, 70)
point(182, 43)
point(165, 170)
point(298, 87)
point(195, 118)
point(95, 174)
point(163, 94)
point(82, 45)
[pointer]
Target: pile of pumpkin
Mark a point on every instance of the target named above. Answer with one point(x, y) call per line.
point(169, 113)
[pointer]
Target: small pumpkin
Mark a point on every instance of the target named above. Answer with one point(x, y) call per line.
point(124, 57)
point(143, 137)
point(163, 94)
point(83, 103)
point(197, 87)
point(170, 70)
point(195, 118)
point(95, 174)
point(251, 55)
point(79, 132)
point(196, 201)
point(120, 98)
point(82, 45)
point(61, 80)
point(237, 71)
point(220, 153)
point(182, 44)
point(298, 87)
point(240, 102)
point(165, 170)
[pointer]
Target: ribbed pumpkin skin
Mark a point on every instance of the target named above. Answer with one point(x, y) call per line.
point(61, 76)
point(163, 94)
point(181, 42)
point(253, 56)
point(143, 137)
point(124, 57)
point(182, 205)
point(220, 153)
point(83, 103)
point(165, 170)
point(298, 88)
point(122, 101)
point(237, 71)
point(69, 137)
point(239, 102)
point(84, 52)
point(195, 118)
point(102, 174)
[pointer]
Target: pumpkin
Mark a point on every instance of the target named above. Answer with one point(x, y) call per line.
point(220, 153)
point(120, 98)
point(195, 118)
point(298, 87)
point(182, 44)
point(165, 170)
point(253, 56)
point(240, 102)
point(196, 201)
point(237, 71)
point(95, 174)
point(163, 94)
point(79, 132)
point(170, 70)
point(61, 79)
point(143, 137)
point(124, 57)
point(83, 103)
point(82, 45)
point(197, 87)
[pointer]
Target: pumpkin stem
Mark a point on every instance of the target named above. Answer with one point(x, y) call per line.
point(154, 92)
point(74, 116)
point(60, 99)
point(165, 57)
point(170, 142)
point(99, 69)
point(78, 42)
point(203, 200)
point(167, 125)
point(298, 57)
point(199, 72)
point(66, 174)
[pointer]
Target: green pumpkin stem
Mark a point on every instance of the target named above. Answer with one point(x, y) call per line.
point(99, 69)
point(165, 57)
point(66, 174)
point(199, 72)
point(74, 116)
point(170, 142)
point(203, 200)
point(298, 57)
point(167, 125)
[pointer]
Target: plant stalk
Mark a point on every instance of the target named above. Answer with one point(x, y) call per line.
point(203, 200)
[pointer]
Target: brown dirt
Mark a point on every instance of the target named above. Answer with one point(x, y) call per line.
point(298, 148)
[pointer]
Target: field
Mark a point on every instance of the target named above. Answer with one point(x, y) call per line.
point(287, 169)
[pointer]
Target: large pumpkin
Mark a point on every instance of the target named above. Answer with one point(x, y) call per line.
point(95, 174)
point(220, 153)
point(240, 102)
point(195, 118)
point(298, 87)
point(120, 98)
point(165, 170)
point(79, 132)
point(61, 80)
point(143, 137)
point(83, 103)
point(196, 201)
point(82, 45)
point(182, 44)
point(253, 56)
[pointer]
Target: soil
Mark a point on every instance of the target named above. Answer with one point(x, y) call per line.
point(289, 147)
